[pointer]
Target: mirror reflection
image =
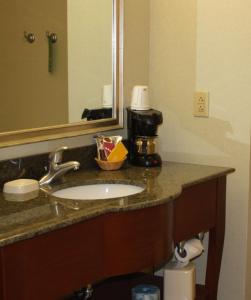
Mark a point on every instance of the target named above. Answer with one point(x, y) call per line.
point(56, 62)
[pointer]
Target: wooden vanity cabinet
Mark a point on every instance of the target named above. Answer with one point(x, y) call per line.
point(52, 265)
point(55, 264)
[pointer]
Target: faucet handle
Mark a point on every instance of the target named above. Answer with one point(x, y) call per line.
point(56, 156)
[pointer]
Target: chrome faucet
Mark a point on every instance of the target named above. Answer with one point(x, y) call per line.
point(56, 168)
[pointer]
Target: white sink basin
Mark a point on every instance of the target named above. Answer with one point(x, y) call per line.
point(98, 191)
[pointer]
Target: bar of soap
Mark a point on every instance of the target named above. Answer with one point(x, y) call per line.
point(20, 186)
point(118, 153)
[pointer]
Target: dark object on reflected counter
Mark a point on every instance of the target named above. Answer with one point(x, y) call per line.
point(142, 132)
point(97, 114)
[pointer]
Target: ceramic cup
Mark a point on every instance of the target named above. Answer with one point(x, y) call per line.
point(140, 98)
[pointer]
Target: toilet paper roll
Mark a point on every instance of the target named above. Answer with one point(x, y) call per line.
point(193, 248)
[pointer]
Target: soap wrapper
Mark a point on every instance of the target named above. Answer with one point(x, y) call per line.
point(106, 145)
point(118, 153)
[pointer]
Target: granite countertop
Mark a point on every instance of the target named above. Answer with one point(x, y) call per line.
point(44, 213)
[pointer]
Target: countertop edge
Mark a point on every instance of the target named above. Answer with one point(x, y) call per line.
point(80, 216)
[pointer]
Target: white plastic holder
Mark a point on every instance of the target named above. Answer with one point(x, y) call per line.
point(179, 281)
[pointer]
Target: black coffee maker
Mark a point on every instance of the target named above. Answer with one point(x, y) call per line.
point(142, 132)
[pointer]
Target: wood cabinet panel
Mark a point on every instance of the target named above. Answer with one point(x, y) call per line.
point(195, 210)
point(138, 239)
point(53, 265)
point(1, 275)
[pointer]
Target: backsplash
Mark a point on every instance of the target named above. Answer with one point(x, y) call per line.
point(35, 166)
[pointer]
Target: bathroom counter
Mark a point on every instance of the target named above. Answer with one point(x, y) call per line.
point(22, 220)
point(51, 247)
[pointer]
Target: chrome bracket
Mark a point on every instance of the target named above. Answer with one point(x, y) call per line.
point(30, 37)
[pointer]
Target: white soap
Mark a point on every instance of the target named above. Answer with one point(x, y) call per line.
point(20, 186)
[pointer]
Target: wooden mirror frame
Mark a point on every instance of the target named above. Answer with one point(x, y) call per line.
point(27, 136)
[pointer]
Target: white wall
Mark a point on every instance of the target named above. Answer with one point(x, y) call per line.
point(205, 45)
point(89, 53)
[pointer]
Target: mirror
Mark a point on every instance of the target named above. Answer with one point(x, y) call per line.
point(61, 68)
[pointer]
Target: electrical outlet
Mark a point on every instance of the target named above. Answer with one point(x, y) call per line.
point(201, 104)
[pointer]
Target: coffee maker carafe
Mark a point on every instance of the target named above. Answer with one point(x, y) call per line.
point(142, 133)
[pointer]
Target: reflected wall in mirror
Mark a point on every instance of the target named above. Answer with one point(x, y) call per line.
point(47, 86)
point(89, 56)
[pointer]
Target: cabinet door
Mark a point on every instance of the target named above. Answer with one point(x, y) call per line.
point(139, 239)
point(55, 264)
point(195, 210)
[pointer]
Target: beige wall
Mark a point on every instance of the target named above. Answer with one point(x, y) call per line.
point(205, 45)
point(26, 87)
point(136, 59)
point(89, 53)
